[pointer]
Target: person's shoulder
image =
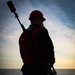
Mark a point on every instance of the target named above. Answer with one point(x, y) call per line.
point(42, 31)
point(22, 35)
point(41, 28)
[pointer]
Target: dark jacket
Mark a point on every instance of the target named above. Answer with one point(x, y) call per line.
point(44, 44)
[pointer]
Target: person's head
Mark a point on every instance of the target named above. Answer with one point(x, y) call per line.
point(36, 17)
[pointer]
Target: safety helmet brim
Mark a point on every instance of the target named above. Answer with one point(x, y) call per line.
point(36, 14)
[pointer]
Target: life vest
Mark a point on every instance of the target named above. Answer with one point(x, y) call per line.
point(26, 51)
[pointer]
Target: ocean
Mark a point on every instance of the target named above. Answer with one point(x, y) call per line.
point(18, 72)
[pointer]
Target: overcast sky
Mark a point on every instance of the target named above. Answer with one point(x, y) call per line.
point(60, 22)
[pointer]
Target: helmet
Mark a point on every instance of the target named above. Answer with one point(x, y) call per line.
point(36, 14)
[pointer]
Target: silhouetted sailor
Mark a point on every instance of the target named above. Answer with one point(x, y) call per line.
point(43, 43)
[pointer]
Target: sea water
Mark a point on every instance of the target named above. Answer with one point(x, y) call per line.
point(10, 72)
point(18, 72)
point(65, 71)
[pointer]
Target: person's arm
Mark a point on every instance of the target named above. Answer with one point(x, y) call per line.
point(46, 45)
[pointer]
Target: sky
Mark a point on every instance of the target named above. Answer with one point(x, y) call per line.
point(60, 22)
